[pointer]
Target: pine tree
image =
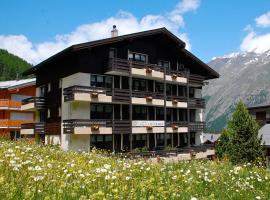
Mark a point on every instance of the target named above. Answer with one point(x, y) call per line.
point(244, 144)
point(223, 145)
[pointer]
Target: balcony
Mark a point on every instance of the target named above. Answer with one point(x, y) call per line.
point(147, 98)
point(6, 104)
point(196, 80)
point(86, 126)
point(87, 93)
point(177, 76)
point(33, 103)
point(12, 124)
point(119, 66)
point(196, 126)
point(196, 103)
point(176, 102)
point(33, 128)
point(177, 127)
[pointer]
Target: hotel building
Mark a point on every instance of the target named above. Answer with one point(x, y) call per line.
point(121, 93)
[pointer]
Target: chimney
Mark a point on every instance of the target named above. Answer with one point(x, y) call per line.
point(114, 32)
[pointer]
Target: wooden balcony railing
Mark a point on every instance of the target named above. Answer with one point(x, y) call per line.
point(177, 98)
point(39, 102)
point(196, 79)
point(39, 128)
point(123, 65)
point(196, 103)
point(10, 104)
point(70, 124)
point(144, 94)
point(8, 123)
point(182, 73)
point(70, 91)
point(177, 123)
point(196, 126)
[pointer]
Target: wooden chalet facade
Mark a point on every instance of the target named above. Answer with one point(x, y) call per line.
point(121, 93)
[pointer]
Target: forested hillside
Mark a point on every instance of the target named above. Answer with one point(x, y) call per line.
point(11, 66)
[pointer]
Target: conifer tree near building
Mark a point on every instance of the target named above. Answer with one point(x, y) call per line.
point(240, 141)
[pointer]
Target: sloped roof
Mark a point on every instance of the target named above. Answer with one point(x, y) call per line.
point(258, 106)
point(17, 83)
point(209, 137)
point(121, 38)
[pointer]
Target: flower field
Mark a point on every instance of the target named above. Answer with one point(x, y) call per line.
point(29, 171)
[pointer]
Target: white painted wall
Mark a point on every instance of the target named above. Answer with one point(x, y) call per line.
point(75, 110)
point(52, 139)
point(198, 93)
point(199, 115)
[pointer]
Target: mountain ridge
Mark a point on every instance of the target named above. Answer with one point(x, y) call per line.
point(243, 76)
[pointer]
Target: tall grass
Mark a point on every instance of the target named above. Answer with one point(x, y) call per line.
point(29, 171)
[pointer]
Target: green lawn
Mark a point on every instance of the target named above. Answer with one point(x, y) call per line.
point(30, 171)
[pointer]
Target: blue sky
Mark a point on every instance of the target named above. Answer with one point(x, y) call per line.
point(35, 30)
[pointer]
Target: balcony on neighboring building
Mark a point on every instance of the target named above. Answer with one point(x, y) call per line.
point(12, 124)
point(6, 104)
point(33, 128)
point(33, 103)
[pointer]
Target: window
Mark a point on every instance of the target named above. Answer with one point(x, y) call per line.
point(182, 115)
point(117, 82)
point(160, 113)
point(191, 92)
point(192, 115)
point(159, 87)
point(125, 82)
point(49, 87)
point(42, 91)
point(182, 91)
point(137, 57)
point(169, 114)
point(101, 81)
point(169, 89)
point(108, 82)
point(139, 113)
point(174, 90)
point(60, 83)
point(42, 116)
point(48, 113)
point(101, 111)
point(164, 64)
point(108, 138)
point(192, 138)
point(139, 85)
point(150, 87)
point(125, 111)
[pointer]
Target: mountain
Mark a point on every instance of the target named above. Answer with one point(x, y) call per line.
point(243, 76)
point(11, 66)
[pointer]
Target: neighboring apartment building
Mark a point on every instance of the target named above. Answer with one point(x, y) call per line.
point(261, 113)
point(121, 93)
point(11, 116)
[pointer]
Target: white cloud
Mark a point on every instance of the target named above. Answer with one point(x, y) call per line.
point(263, 20)
point(256, 43)
point(125, 21)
